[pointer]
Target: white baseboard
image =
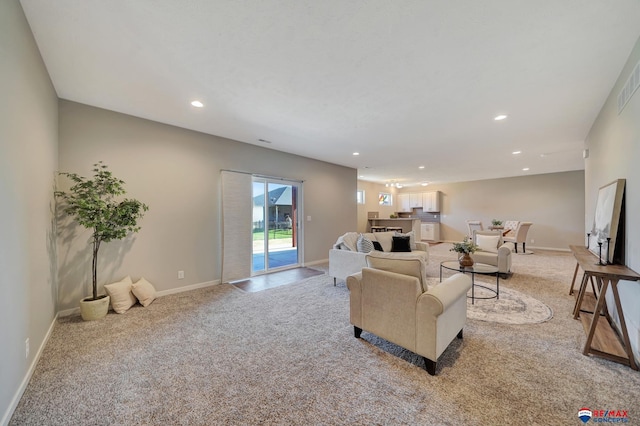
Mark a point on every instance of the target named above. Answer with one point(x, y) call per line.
point(187, 288)
point(23, 385)
point(316, 262)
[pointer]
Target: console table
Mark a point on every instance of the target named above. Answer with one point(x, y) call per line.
point(602, 339)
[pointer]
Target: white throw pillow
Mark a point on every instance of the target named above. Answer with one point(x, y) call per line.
point(364, 244)
point(144, 291)
point(121, 296)
point(488, 242)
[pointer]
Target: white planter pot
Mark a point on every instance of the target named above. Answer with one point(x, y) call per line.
point(94, 309)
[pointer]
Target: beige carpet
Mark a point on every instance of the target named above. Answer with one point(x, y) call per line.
point(288, 356)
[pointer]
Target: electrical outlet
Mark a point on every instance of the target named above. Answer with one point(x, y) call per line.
point(26, 348)
point(533, 241)
point(180, 275)
point(308, 218)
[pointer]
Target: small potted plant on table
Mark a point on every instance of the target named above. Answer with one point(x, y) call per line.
point(465, 249)
point(92, 203)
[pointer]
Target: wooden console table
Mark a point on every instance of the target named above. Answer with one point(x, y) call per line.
point(602, 339)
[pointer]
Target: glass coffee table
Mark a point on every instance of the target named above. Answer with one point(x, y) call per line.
point(477, 268)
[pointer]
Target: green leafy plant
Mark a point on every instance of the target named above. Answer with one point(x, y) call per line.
point(466, 246)
point(496, 222)
point(93, 204)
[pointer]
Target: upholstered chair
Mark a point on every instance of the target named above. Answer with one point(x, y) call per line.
point(390, 298)
point(493, 250)
point(520, 236)
point(510, 227)
point(474, 225)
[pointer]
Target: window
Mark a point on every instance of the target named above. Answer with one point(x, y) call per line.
point(360, 197)
point(384, 199)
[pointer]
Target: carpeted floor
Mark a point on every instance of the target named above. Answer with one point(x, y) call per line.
point(287, 355)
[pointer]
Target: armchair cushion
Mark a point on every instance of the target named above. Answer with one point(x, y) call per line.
point(488, 243)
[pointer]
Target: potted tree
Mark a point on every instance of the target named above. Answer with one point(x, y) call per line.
point(93, 204)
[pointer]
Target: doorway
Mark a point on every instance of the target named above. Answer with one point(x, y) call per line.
point(276, 229)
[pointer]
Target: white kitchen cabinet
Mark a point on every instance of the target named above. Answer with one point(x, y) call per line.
point(430, 231)
point(404, 203)
point(415, 200)
point(431, 201)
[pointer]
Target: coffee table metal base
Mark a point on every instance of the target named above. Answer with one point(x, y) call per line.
point(477, 268)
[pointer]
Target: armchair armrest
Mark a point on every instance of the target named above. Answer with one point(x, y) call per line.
point(440, 297)
point(505, 249)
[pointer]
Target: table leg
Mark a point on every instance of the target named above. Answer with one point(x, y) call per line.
point(498, 286)
point(623, 325)
point(473, 288)
point(573, 281)
point(581, 292)
point(596, 316)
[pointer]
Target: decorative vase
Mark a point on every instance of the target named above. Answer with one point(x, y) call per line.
point(465, 260)
point(94, 309)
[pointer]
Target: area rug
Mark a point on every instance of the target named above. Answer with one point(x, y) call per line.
point(512, 307)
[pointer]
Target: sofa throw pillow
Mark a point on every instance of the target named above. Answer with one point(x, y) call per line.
point(121, 296)
point(412, 238)
point(401, 244)
point(364, 244)
point(488, 242)
point(144, 291)
point(377, 246)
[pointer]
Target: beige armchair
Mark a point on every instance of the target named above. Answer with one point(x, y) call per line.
point(519, 236)
point(390, 299)
point(493, 250)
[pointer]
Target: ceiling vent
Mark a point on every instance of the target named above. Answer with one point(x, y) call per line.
point(630, 86)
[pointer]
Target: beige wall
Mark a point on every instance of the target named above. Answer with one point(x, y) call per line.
point(553, 202)
point(177, 173)
point(371, 191)
point(28, 160)
point(614, 152)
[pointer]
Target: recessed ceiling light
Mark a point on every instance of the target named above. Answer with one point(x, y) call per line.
point(197, 104)
point(424, 183)
point(398, 185)
point(516, 152)
point(421, 167)
point(526, 169)
point(499, 117)
point(356, 153)
point(361, 176)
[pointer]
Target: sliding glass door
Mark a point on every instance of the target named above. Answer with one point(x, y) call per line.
point(275, 225)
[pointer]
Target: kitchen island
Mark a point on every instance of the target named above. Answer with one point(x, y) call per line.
point(407, 224)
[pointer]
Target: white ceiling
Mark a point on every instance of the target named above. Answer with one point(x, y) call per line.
point(406, 83)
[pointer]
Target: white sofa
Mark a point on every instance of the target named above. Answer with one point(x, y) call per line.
point(345, 259)
point(390, 299)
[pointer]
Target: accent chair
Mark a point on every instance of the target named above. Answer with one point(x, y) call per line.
point(390, 298)
point(520, 236)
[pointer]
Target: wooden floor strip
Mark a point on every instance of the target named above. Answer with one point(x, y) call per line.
point(275, 279)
